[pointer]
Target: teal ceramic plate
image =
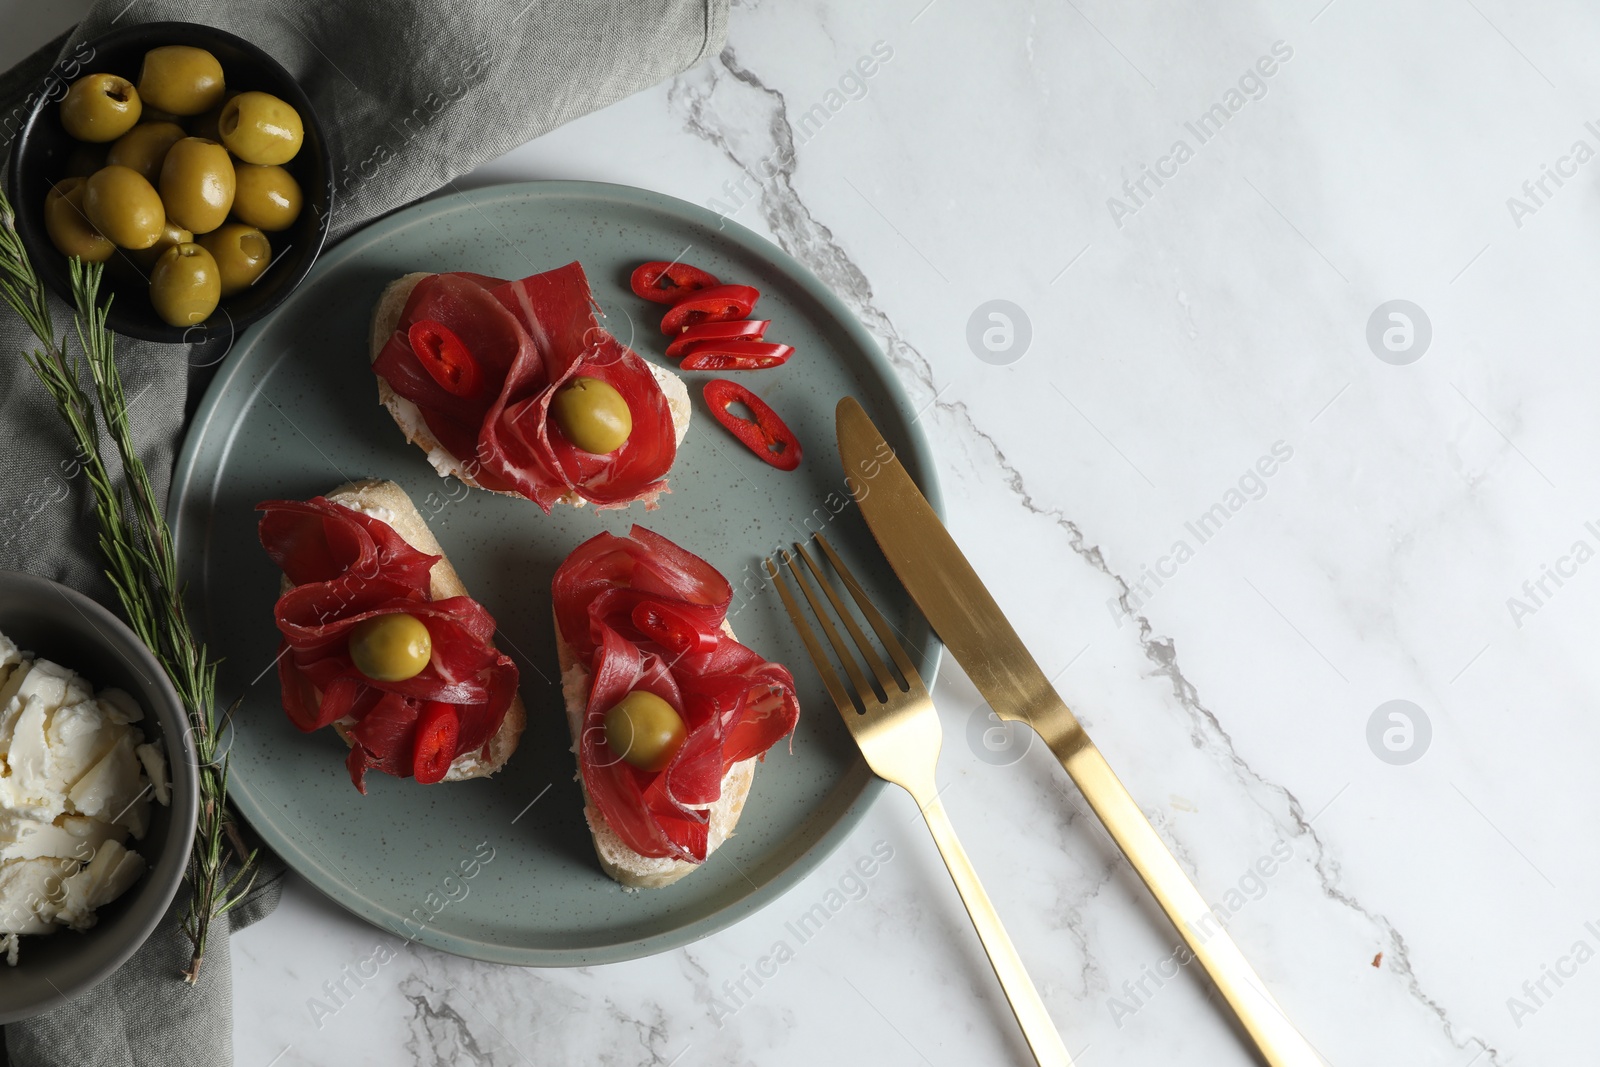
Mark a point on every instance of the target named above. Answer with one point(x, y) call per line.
point(293, 412)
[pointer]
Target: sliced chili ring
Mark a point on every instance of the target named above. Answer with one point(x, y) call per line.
point(671, 628)
point(666, 283)
point(445, 357)
point(740, 330)
point(736, 355)
point(438, 730)
point(767, 435)
point(717, 304)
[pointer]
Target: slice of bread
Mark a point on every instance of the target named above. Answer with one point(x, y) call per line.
point(385, 317)
point(387, 501)
point(617, 859)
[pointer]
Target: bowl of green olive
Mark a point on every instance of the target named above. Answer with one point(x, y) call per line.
point(186, 160)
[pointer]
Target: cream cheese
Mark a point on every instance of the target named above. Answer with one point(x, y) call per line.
point(76, 780)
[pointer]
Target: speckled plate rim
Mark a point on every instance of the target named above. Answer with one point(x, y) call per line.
point(267, 819)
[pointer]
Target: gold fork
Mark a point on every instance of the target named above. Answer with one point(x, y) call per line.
point(898, 732)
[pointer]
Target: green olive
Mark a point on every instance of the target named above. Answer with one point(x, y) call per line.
point(267, 198)
point(197, 184)
point(592, 415)
point(100, 107)
point(391, 648)
point(185, 285)
point(123, 206)
point(171, 235)
point(84, 160)
point(180, 79)
point(644, 730)
point(69, 228)
point(260, 128)
point(205, 123)
point(144, 147)
point(242, 253)
point(66, 186)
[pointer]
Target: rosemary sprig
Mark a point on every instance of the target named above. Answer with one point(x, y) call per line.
point(136, 544)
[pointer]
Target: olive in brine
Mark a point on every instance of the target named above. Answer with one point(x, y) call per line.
point(185, 285)
point(180, 79)
point(390, 648)
point(242, 254)
point(171, 234)
point(645, 730)
point(122, 205)
point(100, 107)
point(592, 415)
point(267, 198)
point(260, 128)
point(69, 228)
point(197, 184)
point(144, 148)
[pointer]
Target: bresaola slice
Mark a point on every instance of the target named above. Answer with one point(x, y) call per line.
point(491, 334)
point(343, 567)
point(610, 597)
point(529, 337)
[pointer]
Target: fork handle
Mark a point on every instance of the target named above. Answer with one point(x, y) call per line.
point(1037, 1027)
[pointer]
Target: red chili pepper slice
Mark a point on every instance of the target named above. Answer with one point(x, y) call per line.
point(667, 283)
point(717, 304)
point(744, 329)
point(671, 628)
point(438, 730)
point(767, 435)
point(444, 356)
point(736, 355)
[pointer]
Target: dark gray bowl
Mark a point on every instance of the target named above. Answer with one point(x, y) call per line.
point(42, 149)
point(57, 623)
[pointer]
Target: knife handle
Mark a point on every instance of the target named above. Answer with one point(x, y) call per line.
point(1037, 1026)
point(1263, 1019)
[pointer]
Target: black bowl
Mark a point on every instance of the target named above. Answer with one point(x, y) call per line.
point(63, 625)
point(40, 152)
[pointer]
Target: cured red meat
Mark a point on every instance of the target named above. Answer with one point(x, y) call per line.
point(529, 337)
point(494, 338)
point(345, 567)
point(735, 705)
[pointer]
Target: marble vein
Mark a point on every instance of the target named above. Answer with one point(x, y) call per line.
point(440, 1035)
point(799, 232)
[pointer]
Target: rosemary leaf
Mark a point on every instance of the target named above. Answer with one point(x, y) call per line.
point(136, 545)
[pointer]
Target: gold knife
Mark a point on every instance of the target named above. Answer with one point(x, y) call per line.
point(969, 622)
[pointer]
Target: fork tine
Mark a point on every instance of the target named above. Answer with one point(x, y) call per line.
point(875, 619)
point(870, 654)
point(864, 688)
point(807, 636)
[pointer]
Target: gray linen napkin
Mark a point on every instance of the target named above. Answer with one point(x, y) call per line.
point(413, 94)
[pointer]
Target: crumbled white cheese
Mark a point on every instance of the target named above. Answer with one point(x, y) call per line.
point(103, 879)
point(119, 706)
point(76, 777)
point(110, 784)
point(155, 768)
point(29, 893)
point(80, 736)
point(10, 657)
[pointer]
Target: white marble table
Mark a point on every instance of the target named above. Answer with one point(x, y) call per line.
point(1423, 898)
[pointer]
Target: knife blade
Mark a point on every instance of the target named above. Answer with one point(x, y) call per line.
point(967, 619)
